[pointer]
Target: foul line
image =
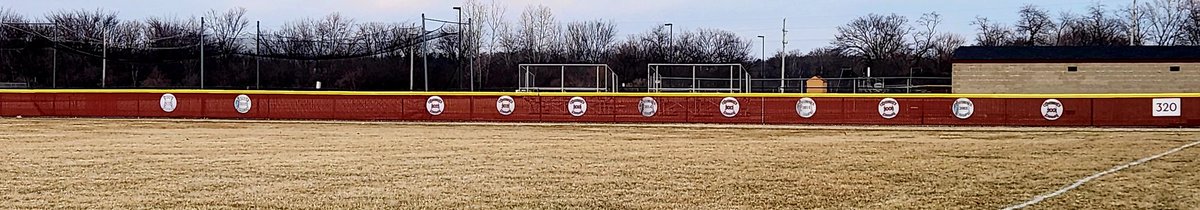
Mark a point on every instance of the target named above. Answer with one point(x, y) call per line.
point(1080, 182)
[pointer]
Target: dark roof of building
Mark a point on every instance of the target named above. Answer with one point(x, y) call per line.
point(1090, 54)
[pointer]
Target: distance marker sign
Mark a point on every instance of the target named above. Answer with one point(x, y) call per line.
point(1167, 107)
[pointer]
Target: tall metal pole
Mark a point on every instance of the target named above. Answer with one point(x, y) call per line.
point(471, 55)
point(764, 54)
point(461, 46)
point(671, 40)
point(104, 60)
point(201, 52)
point(54, 60)
point(1133, 36)
point(412, 66)
point(783, 59)
point(258, 56)
point(425, 55)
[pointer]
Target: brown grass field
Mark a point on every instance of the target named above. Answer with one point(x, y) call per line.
point(88, 163)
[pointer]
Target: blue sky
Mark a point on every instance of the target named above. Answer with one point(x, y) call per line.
point(811, 22)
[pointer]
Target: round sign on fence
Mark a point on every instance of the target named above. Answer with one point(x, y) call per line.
point(889, 108)
point(648, 107)
point(167, 102)
point(730, 107)
point(806, 107)
point(435, 105)
point(506, 105)
point(242, 104)
point(577, 106)
point(1052, 109)
point(963, 108)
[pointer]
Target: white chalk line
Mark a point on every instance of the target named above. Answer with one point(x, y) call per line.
point(1080, 182)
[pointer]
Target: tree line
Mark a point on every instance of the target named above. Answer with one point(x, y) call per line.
point(1156, 22)
point(74, 48)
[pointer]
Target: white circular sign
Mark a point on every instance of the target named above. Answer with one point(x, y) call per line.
point(506, 105)
point(730, 107)
point(242, 104)
point(806, 107)
point(1052, 109)
point(963, 108)
point(648, 107)
point(435, 105)
point(889, 108)
point(167, 102)
point(577, 106)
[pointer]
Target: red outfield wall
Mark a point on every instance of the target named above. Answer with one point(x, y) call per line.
point(1134, 110)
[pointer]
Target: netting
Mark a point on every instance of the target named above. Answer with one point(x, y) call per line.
point(184, 56)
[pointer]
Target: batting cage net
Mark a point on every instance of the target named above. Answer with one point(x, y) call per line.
point(697, 78)
point(567, 78)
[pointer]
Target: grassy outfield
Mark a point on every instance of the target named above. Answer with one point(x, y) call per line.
point(82, 163)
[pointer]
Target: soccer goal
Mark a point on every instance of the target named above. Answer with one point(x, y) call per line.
point(697, 78)
point(567, 78)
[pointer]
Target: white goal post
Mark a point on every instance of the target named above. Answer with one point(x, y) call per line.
point(567, 78)
point(675, 77)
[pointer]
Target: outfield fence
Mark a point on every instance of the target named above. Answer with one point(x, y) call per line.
point(1104, 110)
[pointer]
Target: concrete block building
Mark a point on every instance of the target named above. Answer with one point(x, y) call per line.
point(1115, 69)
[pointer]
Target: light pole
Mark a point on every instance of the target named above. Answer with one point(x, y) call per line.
point(201, 52)
point(257, 63)
point(783, 58)
point(471, 55)
point(764, 50)
point(54, 72)
point(424, 53)
point(462, 47)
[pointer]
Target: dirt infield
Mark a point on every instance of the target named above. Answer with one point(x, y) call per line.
point(79, 163)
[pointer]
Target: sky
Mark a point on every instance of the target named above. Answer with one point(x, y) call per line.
point(812, 23)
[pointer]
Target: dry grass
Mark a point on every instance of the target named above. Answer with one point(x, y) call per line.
point(49, 163)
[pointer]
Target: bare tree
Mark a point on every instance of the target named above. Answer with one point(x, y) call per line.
point(539, 33)
point(924, 37)
point(990, 33)
point(590, 41)
point(8, 16)
point(227, 27)
point(1166, 20)
point(84, 26)
point(1191, 25)
point(874, 37)
point(1034, 27)
point(1131, 18)
point(1097, 28)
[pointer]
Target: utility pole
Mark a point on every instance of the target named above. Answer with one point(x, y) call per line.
point(764, 52)
point(783, 58)
point(1133, 36)
point(258, 56)
point(412, 66)
point(471, 55)
point(104, 61)
point(54, 60)
point(201, 52)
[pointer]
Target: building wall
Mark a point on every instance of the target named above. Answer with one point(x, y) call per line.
point(1090, 78)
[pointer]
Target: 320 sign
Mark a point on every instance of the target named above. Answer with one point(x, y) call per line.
point(1167, 107)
